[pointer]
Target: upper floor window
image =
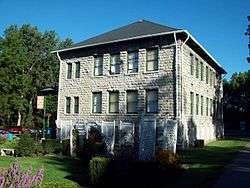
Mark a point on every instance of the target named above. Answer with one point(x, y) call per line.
point(202, 71)
point(197, 67)
point(152, 101)
point(98, 66)
point(152, 60)
point(76, 105)
point(191, 64)
point(132, 62)
point(132, 101)
point(115, 64)
point(97, 102)
point(113, 101)
point(68, 101)
point(211, 77)
point(207, 75)
point(77, 73)
point(69, 70)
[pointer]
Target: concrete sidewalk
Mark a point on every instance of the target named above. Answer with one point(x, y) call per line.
point(237, 174)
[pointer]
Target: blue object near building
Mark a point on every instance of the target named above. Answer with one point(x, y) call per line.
point(10, 136)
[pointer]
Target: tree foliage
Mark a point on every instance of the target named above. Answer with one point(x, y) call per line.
point(237, 99)
point(26, 67)
point(237, 92)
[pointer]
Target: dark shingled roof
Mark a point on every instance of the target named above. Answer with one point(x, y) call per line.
point(136, 29)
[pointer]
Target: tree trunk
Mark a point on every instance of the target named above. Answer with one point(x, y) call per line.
point(19, 119)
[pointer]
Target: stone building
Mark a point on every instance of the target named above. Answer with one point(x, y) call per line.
point(145, 74)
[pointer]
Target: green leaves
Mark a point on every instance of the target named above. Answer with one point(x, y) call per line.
point(26, 67)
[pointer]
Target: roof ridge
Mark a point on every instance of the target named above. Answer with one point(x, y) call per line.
point(129, 29)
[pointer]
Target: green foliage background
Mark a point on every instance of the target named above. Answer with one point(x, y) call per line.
point(27, 66)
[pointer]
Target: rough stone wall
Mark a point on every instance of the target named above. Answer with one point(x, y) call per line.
point(82, 87)
point(199, 126)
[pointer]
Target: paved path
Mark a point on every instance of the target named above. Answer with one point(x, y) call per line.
point(237, 174)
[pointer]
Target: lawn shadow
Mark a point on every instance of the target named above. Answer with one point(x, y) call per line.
point(76, 168)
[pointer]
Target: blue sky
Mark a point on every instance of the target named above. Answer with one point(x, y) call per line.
point(219, 25)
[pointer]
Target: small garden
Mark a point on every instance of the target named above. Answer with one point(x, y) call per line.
point(46, 165)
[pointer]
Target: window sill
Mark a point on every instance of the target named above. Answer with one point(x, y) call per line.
point(114, 75)
point(151, 72)
point(132, 73)
point(114, 114)
point(152, 113)
point(99, 76)
point(96, 114)
point(132, 114)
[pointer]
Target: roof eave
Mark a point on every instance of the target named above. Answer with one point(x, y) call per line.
point(119, 40)
point(191, 37)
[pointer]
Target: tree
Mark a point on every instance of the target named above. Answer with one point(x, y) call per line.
point(26, 66)
point(237, 97)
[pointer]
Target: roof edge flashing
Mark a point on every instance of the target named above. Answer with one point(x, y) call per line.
point(119, 40)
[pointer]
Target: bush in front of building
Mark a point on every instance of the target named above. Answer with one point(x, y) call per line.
point(98, 167)
point(166, 158)
point(26, 145)
point(51, 146)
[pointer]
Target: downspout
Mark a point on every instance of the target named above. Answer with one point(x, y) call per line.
point(178, 80)
point(58, 122)
point(181, 73)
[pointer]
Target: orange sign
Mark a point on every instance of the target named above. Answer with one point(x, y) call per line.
point(40, 102)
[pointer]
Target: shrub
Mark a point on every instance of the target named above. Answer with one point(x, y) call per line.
point(51, 146)
point(26, 145)
point(15, 177)
point(65, 147)
point(98, 169)
point(7, 144)
point(166, 159)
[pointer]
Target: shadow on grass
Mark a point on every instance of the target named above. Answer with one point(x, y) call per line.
point(76, 168)
point(204, 166)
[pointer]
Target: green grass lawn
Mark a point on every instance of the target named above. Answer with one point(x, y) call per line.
point(59, 171)
point(206, 164)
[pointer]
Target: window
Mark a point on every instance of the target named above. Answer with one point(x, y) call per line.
point(69, 70)
point(76, 105)
point(132, 62)
point(214, 108)
point(98, 66)
point(152, 60)
point(207, 75)
point(191, 103)
point(97, 102)
point(207, 106)
point(215, 79)
point(113, 102)
point(191, 64)
point(152, 101)
point(68, 101)
point(132, 101)
point(197, 104)
point(211, 107)
point(211, 77)
point(202, 105)
point(197, 67)
point(115, 64)
point(77, 73)
point(202, 71)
